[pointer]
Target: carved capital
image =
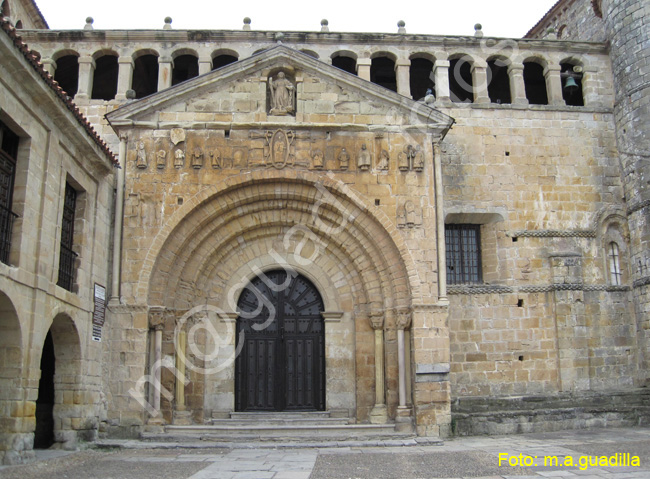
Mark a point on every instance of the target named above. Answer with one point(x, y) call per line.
point(403, 318)
point(376, 320)
point(157, 318)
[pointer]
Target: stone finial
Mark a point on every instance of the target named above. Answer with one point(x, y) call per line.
point(168, 23)
point(401, 26)
point(89, 23)
point(130, 94)
point(478, 30)
point(279, 37)
point(324, 26)
point(429, 98)
point(247, 24)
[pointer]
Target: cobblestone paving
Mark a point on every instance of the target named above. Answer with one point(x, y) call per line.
point(474, 457)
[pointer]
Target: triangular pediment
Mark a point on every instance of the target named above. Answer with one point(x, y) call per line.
point(240, 93)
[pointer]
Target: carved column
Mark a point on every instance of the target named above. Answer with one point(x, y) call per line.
point(86, 72)
point(157, 323)
point(441, 73)
point(480, 82)
point(117, 231)
point(363, 68)
point(181, 415)
point(205, 65)
point(554, 85)
point(124, 76)
point(403, 322)
point(165, 65)
point(379, 413)
point(517, 85)
point(402, 74)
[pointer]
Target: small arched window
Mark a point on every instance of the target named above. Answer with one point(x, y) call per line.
point(461, 83)
point(615, 276)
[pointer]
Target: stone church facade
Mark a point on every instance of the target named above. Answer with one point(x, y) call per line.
point(447, 234)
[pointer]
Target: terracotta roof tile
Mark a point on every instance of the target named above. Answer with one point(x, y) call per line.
point(58, 91)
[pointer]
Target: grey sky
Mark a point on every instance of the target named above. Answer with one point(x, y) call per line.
point(504, 18)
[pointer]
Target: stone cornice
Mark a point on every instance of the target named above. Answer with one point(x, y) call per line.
point(316, 38)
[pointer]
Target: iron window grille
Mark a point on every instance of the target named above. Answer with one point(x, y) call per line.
point(8, 154)
point(463, 252)
point(67, 256)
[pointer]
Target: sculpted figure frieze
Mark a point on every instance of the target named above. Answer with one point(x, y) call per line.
point(215, 159)
point(197, 158)
point(344, 159)
point(363, 162)
point(278, 151)
point(282, 95)
point(409, 215)
point(384, 160)
point(179, 158)
point(161, 159)
point(317, 159)
point(141, 156)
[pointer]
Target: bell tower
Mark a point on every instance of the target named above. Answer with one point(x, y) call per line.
point(628, 30)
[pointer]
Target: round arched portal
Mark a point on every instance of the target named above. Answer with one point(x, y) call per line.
point(229, 234)
point(281, 366)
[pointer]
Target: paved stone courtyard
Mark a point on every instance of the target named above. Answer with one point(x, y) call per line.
point(475, 457)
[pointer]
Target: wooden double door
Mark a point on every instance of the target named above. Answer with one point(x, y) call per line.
point(282, 363)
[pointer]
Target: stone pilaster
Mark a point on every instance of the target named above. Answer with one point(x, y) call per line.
point(441, 74)
point(379, 413)
point(124, 77)
point(86, 73)
point(402, 74)
point(517, 85)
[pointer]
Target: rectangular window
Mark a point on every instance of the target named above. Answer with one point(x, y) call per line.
point(8, 154)
point(67, 255)
point(463, 245)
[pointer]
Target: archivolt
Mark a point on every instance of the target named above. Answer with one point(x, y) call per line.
point(252, 214)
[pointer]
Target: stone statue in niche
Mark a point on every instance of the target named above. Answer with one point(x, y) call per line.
point(197, 158)
point(215, 159)
point(363, 162)
point(344, 159)
point(384, 160)
point(409, 215)
point(141, 156)
point(161, 159)
point(418, 159)
point(177, 135)
point(179, 158)
point(282, 95)
point(317, 159)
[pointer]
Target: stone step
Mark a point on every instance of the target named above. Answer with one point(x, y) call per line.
point(287, 415)
point(277, 432)
point(279, 421)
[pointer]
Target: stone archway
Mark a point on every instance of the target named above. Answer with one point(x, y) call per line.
point(13, 428)
point(66, 382)
point(264, 220)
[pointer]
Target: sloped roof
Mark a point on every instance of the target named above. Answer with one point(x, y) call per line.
point(542, 20)
point(32, 59)
point(36, 13)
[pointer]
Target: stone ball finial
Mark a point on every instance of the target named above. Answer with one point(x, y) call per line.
point(130, 94)
point(89, 23)
point(551, 34)
point(247, 24)
point(478, 30)
point(279, 37)
point(324, 25)
point(168, 23)
point(400, 26)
